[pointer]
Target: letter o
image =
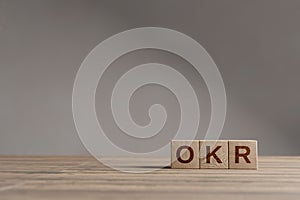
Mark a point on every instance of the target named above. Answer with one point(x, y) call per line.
point(190, 149)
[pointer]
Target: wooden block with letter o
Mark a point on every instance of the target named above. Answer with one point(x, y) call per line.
point(242, 154)
point(213, 154)
point(185, 154)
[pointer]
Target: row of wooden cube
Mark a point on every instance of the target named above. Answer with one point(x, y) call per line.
point(210, 154)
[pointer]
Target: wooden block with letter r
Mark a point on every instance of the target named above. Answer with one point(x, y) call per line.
point(185, 154)
point(242, 154)
point(214, 154)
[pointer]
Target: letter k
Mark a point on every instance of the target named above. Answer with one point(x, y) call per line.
point(213, 153)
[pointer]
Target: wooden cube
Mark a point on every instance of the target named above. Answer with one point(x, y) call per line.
point(242, 154)
point(185, 154)
point(213, 154)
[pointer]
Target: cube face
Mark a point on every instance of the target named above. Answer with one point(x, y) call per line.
point(242, 154)
point(185, 154)
point(213, 154)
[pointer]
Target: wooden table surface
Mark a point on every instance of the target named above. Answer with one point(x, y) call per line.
point(85, 178)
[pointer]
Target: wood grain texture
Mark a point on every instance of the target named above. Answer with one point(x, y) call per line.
point(23, 178)
point(218, 148)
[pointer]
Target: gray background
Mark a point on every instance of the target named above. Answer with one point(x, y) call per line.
point(255, 44)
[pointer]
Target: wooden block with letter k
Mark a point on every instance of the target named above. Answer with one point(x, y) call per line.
point(213, 154)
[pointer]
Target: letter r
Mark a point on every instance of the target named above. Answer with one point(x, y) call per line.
point(244, 155)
